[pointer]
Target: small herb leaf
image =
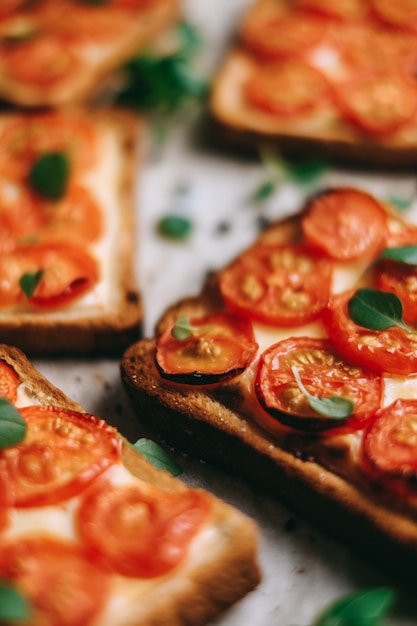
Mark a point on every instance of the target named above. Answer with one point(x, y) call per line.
point(334, 407)
point(182, 328)
point(157, 456)
point(29, 281)
point(13, 606)
point(305, 171)
point(400, 203)
point(402, 254)
point(264, 191)
point(363, 608)
point(12, 425)
point(175, 227)
point(377, 310)
point(49, 175)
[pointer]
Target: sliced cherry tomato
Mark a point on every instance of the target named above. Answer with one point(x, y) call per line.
point(324, 374)
point(282, 285)
point(288, 89)
point(23, 139)
point(290, 35)
point(393, 350)
point(140, 530)
point(401, 279)
point(400, 233)
point(219, 347)
point(9, 382)
point(342, 10)
point(57, 578)
point(10, 7)
point(67, 273)
point(87, 24)
point(390, 447)
point(63, 452)
point(379, 105)
point(19, 218)
point(6, 498)
point(401, 13)
point(345, 224)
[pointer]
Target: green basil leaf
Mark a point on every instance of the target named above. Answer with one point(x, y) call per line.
point(264, 191)
point(334, 407)
point(363, 608)
point(402, 254)
point(306, 171)
point(182, 328)
point(12, 425)
point(49, 175)
point(190, 39)
point(175, 227)
point(29, 281)
point(13, 606)
point(377, 310)
point(400, 203)
point(153, 453)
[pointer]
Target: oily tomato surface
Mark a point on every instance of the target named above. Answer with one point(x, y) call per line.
point(343, 10)
point(67, 273)
point(393, 350)
point(139, 530)
point(346, 224)
point(9, 382)
point(289, 88)
point(63, 451)
point(6, 498)
point(390, 447)
point(401, 13)
point(283, 285)
point(400, 279)
point(63, 587)
point(324, 374)
point(220, 346)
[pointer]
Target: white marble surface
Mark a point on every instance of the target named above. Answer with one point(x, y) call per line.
point(302, 569)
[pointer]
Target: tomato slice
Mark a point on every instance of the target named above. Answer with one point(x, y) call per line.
point(19, 218)
point(380, 104)
point(9, 382)
point(220, 347)
point(401, 279)
point(6, 498)
point(342, 10)
point(345, 224)
point(324, 374)
point(288, 89)
point(279, 285)
point(139, 530)
point(68, 273)
point(55, 575)
point(285, 36)
point(401, 13)
point(63, 452)
point(393, 350)
point(400, 233)
point(390, 447)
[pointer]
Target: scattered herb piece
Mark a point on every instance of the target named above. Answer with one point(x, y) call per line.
point(29, 281)
point(49, 175)
point(13, 606)
point(157, 456)
point(175, 227)
point(264, 191)
point(182, 328)
point(335, 407)
point(402, 254)
point(363, 608)
point(12, 425)
point(377, 310)
point(306, 171)
point(400, 203)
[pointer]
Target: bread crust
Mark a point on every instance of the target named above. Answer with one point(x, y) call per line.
point(108, 329)
point(201, 587)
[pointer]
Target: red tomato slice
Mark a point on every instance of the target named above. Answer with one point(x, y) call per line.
point(379, 104)
point(281, 285)
point(287, 89)
point(19, 218)
point(87, 24)
point(140, 530)
point(23, 139)
point(63, 452)
point(341, 10)
point(9, 382)
point(290, 35)
point(221, 347)
point(10, 7)
point(324, 374)
point(345, 224)
point(401, 279)
point(400, 233)
point(390, 447)
point(401, 13)
point(6, 498)
point(392, 350)
point(55, 575)
point(68, 273)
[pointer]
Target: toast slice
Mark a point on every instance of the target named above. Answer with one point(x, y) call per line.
point(59, 53)
point(218, 563)
point(325, 124)
point(81, 233)
point(222, 421)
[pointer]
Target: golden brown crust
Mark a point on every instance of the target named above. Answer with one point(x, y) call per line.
point(107, 328)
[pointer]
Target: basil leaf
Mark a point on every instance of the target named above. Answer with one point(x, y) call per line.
point(49, 175)
point(377, 310)
point(153, 453)
point(363, 608)
point(13, 606)
point(400, 203)
point(190, 39)
point(402, 254)
point(306, 171)
point(182, 328)
point(264, 191)
point(29, 281)
point(12, 425)
point(334, 407)
point(175, 227)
